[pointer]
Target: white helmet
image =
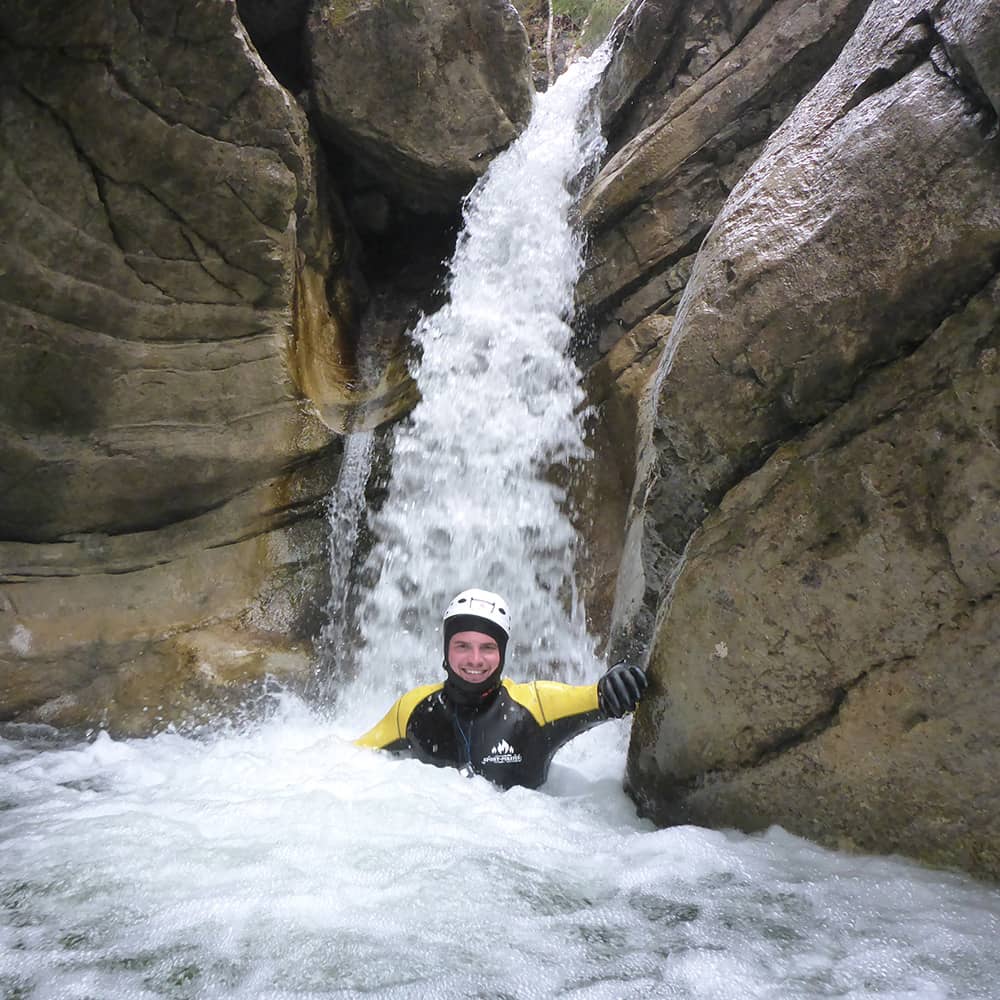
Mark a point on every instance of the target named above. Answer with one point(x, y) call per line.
point(481, 604)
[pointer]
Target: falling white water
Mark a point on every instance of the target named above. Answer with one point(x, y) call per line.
point(345, 511)
point(473, 501)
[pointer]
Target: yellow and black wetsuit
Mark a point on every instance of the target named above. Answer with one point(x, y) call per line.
point(509, 738)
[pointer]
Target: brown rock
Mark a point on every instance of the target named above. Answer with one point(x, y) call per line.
point(689, 105)
point(637, 42)
point(147, 270)
point(822, 265)
point(161, 475)
point(615, 388)
point(420, 93)
point(827, 660)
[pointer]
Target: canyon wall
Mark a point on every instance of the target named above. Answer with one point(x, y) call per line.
point(811, 547)
point(219, 222)
point(190, 319)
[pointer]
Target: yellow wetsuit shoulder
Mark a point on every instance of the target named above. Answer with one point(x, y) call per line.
point(549, 701)
point(392, 727)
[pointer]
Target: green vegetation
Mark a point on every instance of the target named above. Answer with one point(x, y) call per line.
point(590, 19)
point(600, 17)
point(599, 11)
point(575, 10)
point(339, 10)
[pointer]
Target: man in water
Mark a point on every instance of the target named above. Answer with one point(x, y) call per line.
point(484, 724)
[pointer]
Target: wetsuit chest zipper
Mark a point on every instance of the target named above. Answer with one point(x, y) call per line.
point(466, 742)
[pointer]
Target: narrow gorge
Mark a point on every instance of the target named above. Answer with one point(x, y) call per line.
point(222, 224)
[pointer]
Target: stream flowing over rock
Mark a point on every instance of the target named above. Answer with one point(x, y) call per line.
point(220, 221)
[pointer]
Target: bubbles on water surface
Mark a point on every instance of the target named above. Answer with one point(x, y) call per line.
point(284, 862)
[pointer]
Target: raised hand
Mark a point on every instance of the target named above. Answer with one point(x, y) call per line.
point(619, 690)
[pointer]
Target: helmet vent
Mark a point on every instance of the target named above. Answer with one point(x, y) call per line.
point(481, 604)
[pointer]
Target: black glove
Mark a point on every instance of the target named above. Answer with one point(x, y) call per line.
point(619, 690)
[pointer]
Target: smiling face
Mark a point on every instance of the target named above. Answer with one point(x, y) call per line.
point(474, 656)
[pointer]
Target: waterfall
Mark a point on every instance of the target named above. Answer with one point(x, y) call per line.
point(345, 511)
point(478, 489)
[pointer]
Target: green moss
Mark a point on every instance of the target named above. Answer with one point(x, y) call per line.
point(576, 10)
point(592, 18)
point(338, 11)
point(601, 16)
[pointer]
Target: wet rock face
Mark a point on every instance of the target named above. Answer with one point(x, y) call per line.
point(159, 198)
point(692, 90)
point(798, 290)
point(828, 658)
point(825, 464)
point(420, 92)
point(153, 208)
point(691, 94)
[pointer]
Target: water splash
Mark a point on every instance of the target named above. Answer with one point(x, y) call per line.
point(285, 864)
point(478, 495)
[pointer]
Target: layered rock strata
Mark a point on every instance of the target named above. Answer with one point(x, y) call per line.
point(159, 203)
point(692, 91)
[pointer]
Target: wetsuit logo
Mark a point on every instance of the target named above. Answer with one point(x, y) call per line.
point(503, 753)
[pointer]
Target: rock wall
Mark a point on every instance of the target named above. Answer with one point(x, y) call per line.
point(187, 326)
point(158, 464)
point(445, 87)
point(701, 84)
point(828, 659)
point(811, 544)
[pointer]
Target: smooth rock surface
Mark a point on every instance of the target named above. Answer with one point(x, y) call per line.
point(421, 93)
point(132, 632)
point(868, 215)
point(827, 660)
point(161, 473)
point(693, 89)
